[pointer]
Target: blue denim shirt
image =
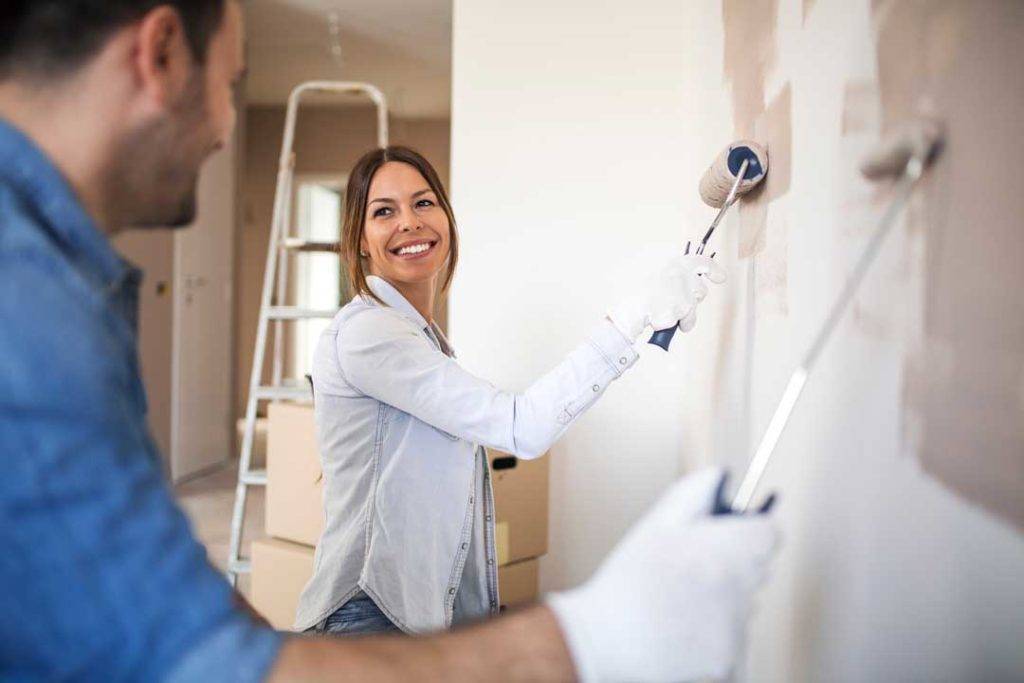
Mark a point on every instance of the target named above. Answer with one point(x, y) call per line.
point(100, 576)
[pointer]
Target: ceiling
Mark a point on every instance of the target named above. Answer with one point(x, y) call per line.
point(401, 46)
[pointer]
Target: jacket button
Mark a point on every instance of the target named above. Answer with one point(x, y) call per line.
point(471, 500)
point(487, 518)
point(451, 591)
point(622, 361)
point(490, 561)
point(465, 545)
point(596, 387)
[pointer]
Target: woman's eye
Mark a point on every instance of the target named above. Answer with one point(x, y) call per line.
point(424, 202)
point(382, 211)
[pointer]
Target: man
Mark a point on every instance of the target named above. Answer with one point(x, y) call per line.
point(107, 110)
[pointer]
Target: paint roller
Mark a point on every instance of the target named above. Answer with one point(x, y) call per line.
point(737, 170)
point(904, 155)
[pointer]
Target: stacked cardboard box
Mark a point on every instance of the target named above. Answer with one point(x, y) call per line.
point(282, 564)
point(520, 525)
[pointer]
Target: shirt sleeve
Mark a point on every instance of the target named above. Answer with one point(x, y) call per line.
point(384, 356)
point(100, 576)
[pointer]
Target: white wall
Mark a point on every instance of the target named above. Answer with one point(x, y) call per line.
point(579, 133)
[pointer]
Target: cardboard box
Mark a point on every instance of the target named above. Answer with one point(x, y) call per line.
point(520, 506)
point(295, 509)
point(518, 583)
point(280, 570)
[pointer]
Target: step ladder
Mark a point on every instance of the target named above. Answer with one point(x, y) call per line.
point(273, 308)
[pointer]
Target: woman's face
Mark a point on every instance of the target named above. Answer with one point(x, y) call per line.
point(406, 233)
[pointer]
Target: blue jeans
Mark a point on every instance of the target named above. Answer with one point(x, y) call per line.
point(358, 616)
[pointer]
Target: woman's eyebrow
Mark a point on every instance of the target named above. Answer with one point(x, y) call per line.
point(389, 200)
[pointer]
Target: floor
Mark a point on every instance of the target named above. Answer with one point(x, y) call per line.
point(208, 502)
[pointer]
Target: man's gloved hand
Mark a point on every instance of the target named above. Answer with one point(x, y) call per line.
point(670, 296)
point(671, 601)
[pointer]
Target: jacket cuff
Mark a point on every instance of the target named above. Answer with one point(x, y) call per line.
point(613, 346)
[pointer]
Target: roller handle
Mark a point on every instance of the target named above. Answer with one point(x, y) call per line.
point(663, 338)
point(723, 507)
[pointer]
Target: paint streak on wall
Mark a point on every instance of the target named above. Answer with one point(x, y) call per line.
point(964, 386)
point(773, 128)
point(749, 53)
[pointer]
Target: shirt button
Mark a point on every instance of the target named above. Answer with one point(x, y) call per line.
point(451, 591)
point(490, 562)
point(465, 545)
point(487, 518)
point(622, 361)
point(471, 500)
point(596, 387)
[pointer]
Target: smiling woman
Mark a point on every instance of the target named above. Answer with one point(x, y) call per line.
point(399, 226)
point(409, 539)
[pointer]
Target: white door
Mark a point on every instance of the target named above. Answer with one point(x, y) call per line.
point(201, 435)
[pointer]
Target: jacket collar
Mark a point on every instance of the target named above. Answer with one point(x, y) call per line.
point(394, 299)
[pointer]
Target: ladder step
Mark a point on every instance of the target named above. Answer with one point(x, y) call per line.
point(296, 313)
point(254, 478)
point(298, 393)
point(299, 244)
point(239, 566)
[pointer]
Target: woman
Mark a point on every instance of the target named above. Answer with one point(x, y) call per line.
point(408, 540)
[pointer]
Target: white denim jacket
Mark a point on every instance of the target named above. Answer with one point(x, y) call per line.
point(399, 426)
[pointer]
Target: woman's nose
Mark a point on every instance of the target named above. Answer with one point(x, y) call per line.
point(408, 224)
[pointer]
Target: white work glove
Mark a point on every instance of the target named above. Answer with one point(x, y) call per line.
point(668, 297)
point(671, 601)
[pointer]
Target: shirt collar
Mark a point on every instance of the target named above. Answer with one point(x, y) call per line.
point(393, 298)
point(25, 168)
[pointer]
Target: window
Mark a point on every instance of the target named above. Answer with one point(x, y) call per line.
point(319, 278)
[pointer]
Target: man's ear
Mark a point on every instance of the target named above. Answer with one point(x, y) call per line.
point(162, 58)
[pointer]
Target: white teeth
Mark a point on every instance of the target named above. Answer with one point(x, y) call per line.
point(414, 249)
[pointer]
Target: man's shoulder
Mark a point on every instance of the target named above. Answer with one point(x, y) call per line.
point(31, 260)
point(52, 322)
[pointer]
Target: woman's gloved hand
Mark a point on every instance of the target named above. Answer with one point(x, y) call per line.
point(671, 601)
point(669, 296)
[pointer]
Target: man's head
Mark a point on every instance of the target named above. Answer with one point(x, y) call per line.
point(153, 81)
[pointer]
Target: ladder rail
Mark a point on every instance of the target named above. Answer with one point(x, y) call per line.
point(277, 372)
point(275, 281)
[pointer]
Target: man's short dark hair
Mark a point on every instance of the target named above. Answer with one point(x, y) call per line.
point(48, 38)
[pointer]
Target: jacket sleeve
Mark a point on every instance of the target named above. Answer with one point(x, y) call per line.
point(384, 356)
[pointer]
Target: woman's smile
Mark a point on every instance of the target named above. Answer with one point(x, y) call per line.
point(414, 249)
